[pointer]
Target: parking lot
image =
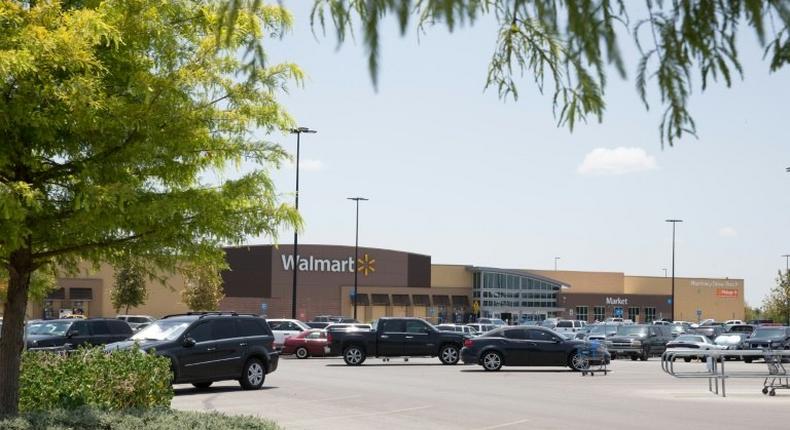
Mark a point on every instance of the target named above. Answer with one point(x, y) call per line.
point(423, 394)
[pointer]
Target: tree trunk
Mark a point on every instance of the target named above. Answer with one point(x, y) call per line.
point(12, 337)
point(127, 309)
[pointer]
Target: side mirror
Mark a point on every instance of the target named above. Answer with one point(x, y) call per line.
point(557, 340)
point(72, 334)
point(188, 342)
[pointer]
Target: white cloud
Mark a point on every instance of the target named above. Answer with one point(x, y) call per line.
point(306, 165)
point(727, 232)
point(617, 161)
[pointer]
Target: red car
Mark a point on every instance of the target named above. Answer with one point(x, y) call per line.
point(307, 343)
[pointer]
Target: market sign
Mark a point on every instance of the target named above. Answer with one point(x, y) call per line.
point(727, 293)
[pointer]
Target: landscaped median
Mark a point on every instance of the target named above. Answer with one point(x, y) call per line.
point(91, 389)
point(152, 419)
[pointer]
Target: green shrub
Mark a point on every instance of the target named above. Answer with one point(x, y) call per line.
point(152, 419)
point(90, 377)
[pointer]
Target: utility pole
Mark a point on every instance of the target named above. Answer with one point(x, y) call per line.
point(356, 251)
point(298, 132)
point(674, 222)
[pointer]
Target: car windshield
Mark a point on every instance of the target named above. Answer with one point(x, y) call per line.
point(625, 330)
point(769, 332)
point(688, 338)
point(162, 330)
point(54, 328)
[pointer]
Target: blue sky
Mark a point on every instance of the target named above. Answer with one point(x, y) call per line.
point(454, 172)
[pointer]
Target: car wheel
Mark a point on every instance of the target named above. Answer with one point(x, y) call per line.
point(747, 360)
point(578, 362)
point(687, 359)
point(492, 361)
point(449, 355)
point(252, 375)
point(302, 353)
point(634, 358)
point(201, 385)
point(354, 355)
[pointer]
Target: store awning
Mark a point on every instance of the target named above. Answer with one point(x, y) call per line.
point(80, 294)
point(59, 294)
point(441, 300)
point(362, 300)
point(401, 300)
point(421, 299)
point(381, 299)
point(460, 300)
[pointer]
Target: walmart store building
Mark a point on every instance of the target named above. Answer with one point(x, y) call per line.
point(395, 283)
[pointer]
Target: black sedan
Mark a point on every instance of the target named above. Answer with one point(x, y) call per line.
point(531, 346)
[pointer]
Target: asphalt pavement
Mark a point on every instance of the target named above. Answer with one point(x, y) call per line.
point(320, 393)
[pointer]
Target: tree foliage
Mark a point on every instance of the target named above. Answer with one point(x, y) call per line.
point(776, 304)
point(202, 288)
point(42, 282)
point(570, 45)
point(112, 114)
point(130, 288)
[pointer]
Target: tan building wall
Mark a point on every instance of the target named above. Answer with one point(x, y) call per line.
point(586, 282)
point(648, 285)
point(162, 299)
point(720, 299)
point(451, 276)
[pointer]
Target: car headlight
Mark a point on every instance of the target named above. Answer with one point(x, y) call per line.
point(34, 343)
point(636, 342)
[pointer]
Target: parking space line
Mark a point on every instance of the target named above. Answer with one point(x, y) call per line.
point(499, 426)
point(342, 417)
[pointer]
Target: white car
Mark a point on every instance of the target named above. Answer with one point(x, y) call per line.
point(569, 327)
point(285, 328)
point(733, 322)
point(693, 341)
point(136, 322)
point(482, 328)
point(458, 328)
point(493, 321)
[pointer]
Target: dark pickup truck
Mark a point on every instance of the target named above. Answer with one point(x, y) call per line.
point(396, 337)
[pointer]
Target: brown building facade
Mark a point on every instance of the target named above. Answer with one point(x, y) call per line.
point(394, 283)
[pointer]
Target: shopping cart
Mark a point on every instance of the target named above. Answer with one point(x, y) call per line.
point(592, 359)
point(779, 379)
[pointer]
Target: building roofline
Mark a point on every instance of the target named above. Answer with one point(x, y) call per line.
point(264, 245)
point(518, 272)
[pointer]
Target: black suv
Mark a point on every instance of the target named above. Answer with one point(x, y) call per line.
point(204, 347)
point(67, 334)
point(639, 341)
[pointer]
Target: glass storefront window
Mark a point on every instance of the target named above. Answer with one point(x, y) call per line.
point(633, 314)
point(599, 313)
point(581, 313)
point(650, 314)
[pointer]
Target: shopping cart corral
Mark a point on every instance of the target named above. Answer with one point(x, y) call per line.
point(775, 375)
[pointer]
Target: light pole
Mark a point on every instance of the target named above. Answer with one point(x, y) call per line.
point(298, 132)
point(674, 222)
point(787, 262)
point(555, 263)
point(665, 271)
point(356, 251)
